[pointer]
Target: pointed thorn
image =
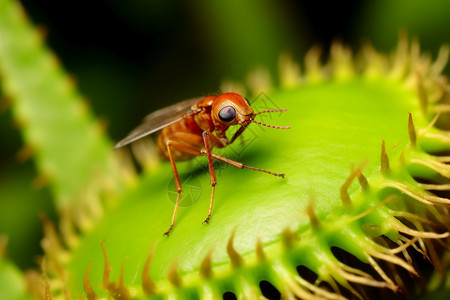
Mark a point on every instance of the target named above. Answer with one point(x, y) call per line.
point(68, 232)
point(41, 181)
point(90, 293)
point(107, 268)
point(42, 33)
point(51, 242)
point(422, 93)
point(119, 290)
point(345, 197)
point(259, 250)
point(116, 290)
point(148, 285)
point(173, 276)
point(412, 131)
point(3, 244)
point(5, 103)
point(48, 294)
point(315, 223)
point(236, 259)
point(384, 158)
point(363, 181)
point(25, 153)
point(289, 238)
point(289, 70)
point(205, 267)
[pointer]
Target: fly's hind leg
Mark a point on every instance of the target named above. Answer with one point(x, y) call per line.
point(187, 149)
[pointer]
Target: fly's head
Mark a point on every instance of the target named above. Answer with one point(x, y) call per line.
point(232, 109)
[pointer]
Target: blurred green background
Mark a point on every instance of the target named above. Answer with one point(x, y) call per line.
point(132, 57)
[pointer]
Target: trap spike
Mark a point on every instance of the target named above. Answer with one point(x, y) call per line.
point(313, 66)
point(411, 131)
point(289, 71)
point(259, 80)
point(315, 223)
point(345, 198)
point(439, 167)
point(5, 103)
point(173, 276)
point(90, 293)
point(376, 63)
point(401, 57)
point(148, 286)
point(292, 289)
point(288, 238)
point(363, 181)
point(420, 234)
point(320, 291)
point(391, 258)
point(41, 181)
point(51, 242)
point(67, 227)
point(368, 211)
point(107, 268)
point(119, 290)
point(3, 244)
point(441, 60)
point(382, 274)
point(41, 34)
point(433, 122)
point(25, 153)
point(206, 267)
point(422, 93)
point(384, 159)
point(434, 257)
point(341, 60)
point(48, 294)
point(259, 250)
point(236, 259)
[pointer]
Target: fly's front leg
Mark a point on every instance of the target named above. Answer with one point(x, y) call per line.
point(219, 143)
point(184, 148)
point(212, 172)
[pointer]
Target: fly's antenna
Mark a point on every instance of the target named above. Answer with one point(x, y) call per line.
point(271, 110)
point(271, 126)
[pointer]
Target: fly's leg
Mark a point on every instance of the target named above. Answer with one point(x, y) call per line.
point(217, 143)
point(241, 165)
point(212, 172)
point(207, 138)
point(184, 148)
point(177, 185)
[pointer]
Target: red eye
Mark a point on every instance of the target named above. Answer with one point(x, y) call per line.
point(227, 114)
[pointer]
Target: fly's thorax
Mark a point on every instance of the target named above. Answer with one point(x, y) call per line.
point(204, 120)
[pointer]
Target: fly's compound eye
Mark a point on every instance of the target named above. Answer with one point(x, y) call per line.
point(227, 114)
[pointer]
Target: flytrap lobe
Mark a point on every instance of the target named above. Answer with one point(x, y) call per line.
point(362, 212)
point(387, 222)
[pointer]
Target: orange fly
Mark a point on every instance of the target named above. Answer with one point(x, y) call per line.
point(187, 130)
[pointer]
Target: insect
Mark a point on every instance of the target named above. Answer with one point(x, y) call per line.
point(192, 127)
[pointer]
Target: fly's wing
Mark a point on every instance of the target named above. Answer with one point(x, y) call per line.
point(159, 119)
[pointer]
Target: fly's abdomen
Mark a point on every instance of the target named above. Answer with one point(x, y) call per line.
point(185, 131)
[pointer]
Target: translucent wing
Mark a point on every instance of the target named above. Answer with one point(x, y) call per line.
point(159, 119)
